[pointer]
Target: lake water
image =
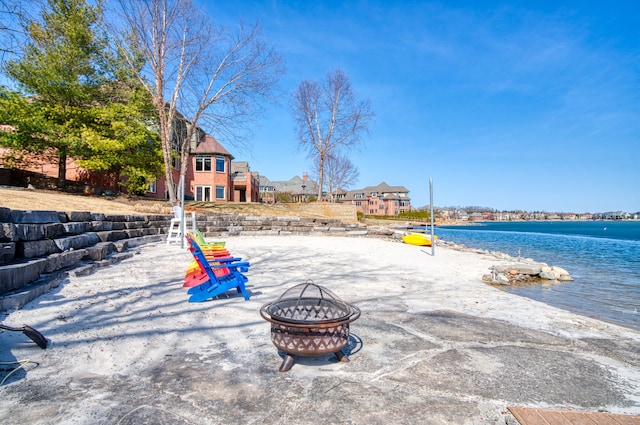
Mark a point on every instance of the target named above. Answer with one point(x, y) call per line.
point(602, 256)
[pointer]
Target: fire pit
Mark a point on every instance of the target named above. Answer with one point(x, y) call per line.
point(309, 320)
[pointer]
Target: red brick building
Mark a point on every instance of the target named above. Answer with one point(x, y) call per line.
point(212, 176)
point(379, 200)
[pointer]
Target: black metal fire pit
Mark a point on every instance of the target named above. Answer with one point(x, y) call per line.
point(309, 320)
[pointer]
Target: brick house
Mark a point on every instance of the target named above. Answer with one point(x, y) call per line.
point(212, 175)
point(245, 183)
point(209, 173)
point(379, 200)
point(42, 165)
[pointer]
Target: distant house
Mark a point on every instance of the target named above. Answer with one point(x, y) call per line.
point(300, 189)
point(339, 195)
point(616, 215)
point(267, 191)
point(379, 200)
point(454, 214)
point(476, 216)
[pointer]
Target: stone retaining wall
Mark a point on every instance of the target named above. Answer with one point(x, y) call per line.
point(230, 224)
point(39, 249)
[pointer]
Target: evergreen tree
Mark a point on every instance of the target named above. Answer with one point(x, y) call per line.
point(77, 101)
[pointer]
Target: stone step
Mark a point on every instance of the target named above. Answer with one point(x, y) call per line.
point(7, 252)
point(16, 275)
point(17, 299)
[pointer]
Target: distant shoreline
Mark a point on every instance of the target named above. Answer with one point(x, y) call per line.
point(468, 223)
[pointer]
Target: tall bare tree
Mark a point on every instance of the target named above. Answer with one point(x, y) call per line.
point(340, 173)
point(197, 73)
point(329, 117)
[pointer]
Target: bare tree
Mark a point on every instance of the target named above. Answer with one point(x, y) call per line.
point(13, 15)
point(196, 72)
point(340, 173)
point(328, 117)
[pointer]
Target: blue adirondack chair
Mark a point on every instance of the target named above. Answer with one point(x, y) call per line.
point(217, 285)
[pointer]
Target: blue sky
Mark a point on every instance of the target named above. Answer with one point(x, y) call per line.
point(509, 105)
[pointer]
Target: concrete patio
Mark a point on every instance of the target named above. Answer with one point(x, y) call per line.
point(434, 345)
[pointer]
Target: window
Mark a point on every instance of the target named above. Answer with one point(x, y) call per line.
point(203, 193)
point(175, 162)
point(381, 207)
point(358, 196)
point(152, 187)
point(374, 194)
point(358, 203)
point(219, 192)
point(372, 211)
point(203, 163)
point(219, 165)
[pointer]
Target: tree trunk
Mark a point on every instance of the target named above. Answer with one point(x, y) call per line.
point(165, 139)
point(185, 150)
point(62, 169)
point(320, 176)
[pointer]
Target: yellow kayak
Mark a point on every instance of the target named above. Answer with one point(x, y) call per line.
point(418, 239)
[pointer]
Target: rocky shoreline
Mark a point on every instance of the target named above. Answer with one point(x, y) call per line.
point(517, 270)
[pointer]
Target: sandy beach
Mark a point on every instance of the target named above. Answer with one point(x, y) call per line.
point(434, 344)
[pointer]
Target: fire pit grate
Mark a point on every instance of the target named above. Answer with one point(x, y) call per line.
point(309, 320)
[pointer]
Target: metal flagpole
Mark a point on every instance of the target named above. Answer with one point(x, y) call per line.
point(433, 239)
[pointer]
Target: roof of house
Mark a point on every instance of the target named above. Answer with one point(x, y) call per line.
point(293, 185)
point(264, 181)
point(240, 166)
point(208, 144)
point(383, 190)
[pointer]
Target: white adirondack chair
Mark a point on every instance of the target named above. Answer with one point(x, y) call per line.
point(174, 234)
